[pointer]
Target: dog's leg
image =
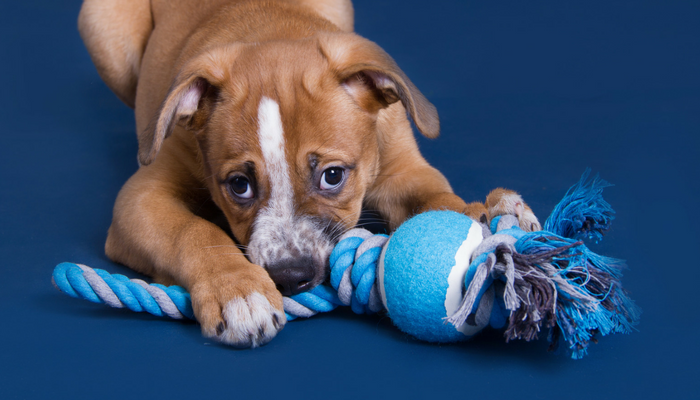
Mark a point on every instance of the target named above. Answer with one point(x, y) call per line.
point(406, 184)
point(400, 192)
point(154, 231)
point(503, 201)
point(422, 189)
point(115, 33)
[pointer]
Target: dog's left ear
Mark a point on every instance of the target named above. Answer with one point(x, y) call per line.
point(374, 80)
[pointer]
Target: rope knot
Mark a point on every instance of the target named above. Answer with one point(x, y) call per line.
point(353, 270)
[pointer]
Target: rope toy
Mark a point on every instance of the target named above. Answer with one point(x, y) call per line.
point(118, 291)
point(443, 277)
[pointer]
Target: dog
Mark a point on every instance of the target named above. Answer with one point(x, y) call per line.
point(264, 128)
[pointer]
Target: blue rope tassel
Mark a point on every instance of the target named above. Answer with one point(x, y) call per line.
point(582, 213)
point(550, 278)
point(590, 297)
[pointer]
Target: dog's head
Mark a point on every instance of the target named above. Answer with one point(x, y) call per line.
point(289, 141)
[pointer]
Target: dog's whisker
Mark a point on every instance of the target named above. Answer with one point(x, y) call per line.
point(340, 225)
point(328, 224)
point(338, 221)
point(344, 229)
point(340, 234)
point(346, 218)
point(336, 229)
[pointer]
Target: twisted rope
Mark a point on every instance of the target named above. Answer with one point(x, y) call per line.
point(118, 291)
point(99, 286)
point(353, 270)
point(319, 299)
point(353, 266)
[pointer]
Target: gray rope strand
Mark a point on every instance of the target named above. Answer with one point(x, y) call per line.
point(164, 301)
point(106, 294)
point(118, 291)
point(465, 308)
point(293, 307)
point(102, 290)
point(348, 292)
point(345, 289)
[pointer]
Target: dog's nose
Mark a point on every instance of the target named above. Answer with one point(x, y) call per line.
point(292, 276)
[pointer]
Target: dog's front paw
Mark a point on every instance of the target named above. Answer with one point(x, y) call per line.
point(240, 309)
point(507, 202)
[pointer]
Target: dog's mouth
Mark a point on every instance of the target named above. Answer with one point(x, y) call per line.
point(295, 253)
point(305, 261)
point(295, 250)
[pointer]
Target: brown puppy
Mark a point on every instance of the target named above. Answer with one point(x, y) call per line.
point(281, 124)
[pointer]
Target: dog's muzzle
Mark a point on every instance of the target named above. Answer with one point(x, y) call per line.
point(292, 275)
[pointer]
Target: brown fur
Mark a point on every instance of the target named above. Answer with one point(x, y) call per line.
point(342, 99)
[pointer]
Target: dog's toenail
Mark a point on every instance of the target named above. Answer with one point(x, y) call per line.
point(261, 332)
point(483, 219)
point(276, 321)
point(220, 328)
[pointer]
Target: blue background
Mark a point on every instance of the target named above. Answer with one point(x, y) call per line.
point(529, 94)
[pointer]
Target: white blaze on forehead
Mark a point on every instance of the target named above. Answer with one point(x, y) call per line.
point(271, 136)
point(278, 234)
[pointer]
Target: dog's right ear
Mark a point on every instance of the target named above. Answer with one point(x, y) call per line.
point(189, 101)
point(180, 106)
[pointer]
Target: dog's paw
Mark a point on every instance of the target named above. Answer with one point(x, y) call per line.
point(507, 202)
point(241, 310)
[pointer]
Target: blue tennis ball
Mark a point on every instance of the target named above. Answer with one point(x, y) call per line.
point(422, 270)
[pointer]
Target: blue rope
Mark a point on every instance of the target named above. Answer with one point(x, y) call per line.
point(319, 299)
point(99, 286)
point(86, 283)
point(90, 284)
point(342, 258)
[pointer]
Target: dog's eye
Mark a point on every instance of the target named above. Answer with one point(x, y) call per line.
point(331, 178)
point(240, 186)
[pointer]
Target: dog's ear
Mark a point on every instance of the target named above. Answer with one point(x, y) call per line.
point(189, 101)
point(374, 80)
point(180, 106)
